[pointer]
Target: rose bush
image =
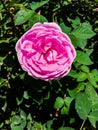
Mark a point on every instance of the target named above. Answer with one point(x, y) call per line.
point(45, 52)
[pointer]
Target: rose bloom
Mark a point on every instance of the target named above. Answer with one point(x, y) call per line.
point(45, 52)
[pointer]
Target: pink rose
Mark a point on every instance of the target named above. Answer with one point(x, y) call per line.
point(45, 52)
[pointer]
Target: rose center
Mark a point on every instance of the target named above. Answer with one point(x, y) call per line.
point(50, 55)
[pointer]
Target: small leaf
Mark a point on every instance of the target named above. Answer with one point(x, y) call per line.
point(25, 95)
point(5, 106)
point(94, 72)
point(36, 5)
point(80, 86)
point(83, 58)
point(16, 128)
point(78, 42)
point(84, 31)
point(23, 124)
point(88, 51)
point(16, 120)
point(92, 80)
point(2, 58)
point(49, 124)
point(29, 117)
point(65, 3)
point(23, 16)
point(81, 76)
point(72, 120)
point(29, 126)
point(19, 101)
point(6, 41)
point(1, 125)
point(93, 118)
point(73, 93)
point(68, 101)
point(1, 7)
point(92, 95)
point(58, 103)
point(23, 115)
point(84, 68)
point(75, 22)
point(82, 105)
point(64, 110)
point(73, 74)
point(74, 40)
point(65, 29)
point(22, 76)
point(81, 43)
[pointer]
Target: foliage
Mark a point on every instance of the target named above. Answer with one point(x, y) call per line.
point(30, 104)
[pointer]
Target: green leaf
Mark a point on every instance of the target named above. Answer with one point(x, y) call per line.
point(76, 90)
point(2, 58)
point(37, 18)
point(81, 76)
point(72, 120)
point(29, 126)
point(88, 51)
point(1, 7)
point(73, 74)
point(94, 72)
point(83, 58)
point(19, 101)
point(84, 31)
point(80, 86)
point(84, 68)
point(36, 5)
point(16, 128)
point(29, 117)
point(65, 29)
point(92, 80)
point(68, 101)
point(23, 16)
point(74, 40)
point(49, 124)
point(82, 105)
point(65, 3)
point(22, 76)
point(25, 95)
point(1, 125)
point(3, 83)
point(23, 124)
point(93, 118)
point(58, 103)
point(37, 125)
point(23, 115)
point(78, 42)
point(4, 106)
point(81, 43)
point(64, 110)
point(6, 41)
point(72, 93)
point(75, 22)
point(92, 95)
point(16, 120)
